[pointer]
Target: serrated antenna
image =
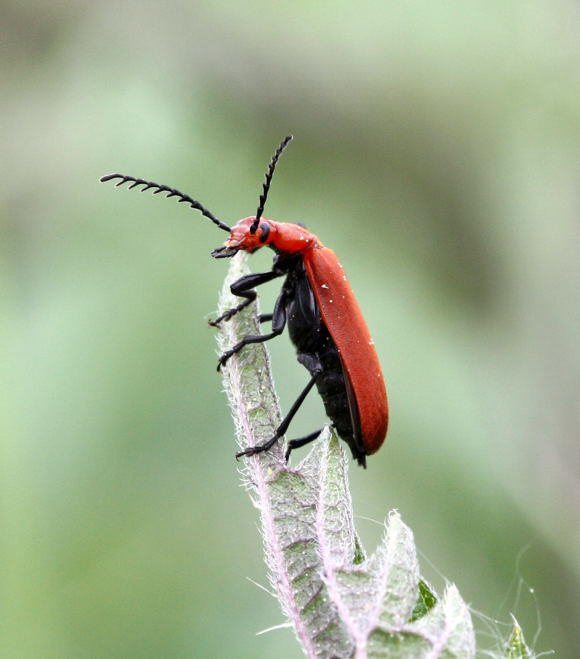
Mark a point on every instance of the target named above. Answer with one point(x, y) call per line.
point(266, 184)
point(171, 192)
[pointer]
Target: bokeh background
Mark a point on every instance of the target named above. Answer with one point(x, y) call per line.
point(436, 151)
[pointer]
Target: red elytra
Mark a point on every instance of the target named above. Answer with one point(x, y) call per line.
point(346, 324)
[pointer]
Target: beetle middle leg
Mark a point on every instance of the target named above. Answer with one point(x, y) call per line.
point(283, 427)
point(278, 323)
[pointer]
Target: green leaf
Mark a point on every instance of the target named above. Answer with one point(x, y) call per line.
point(425, 602)
point(448, 626)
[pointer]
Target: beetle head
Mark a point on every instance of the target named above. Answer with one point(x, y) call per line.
point(243, 238)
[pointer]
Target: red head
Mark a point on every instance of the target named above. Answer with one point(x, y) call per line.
point(283, 236)
point(253, 232)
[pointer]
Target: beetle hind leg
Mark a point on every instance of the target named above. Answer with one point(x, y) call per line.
point(301, 441)
point(283, 427)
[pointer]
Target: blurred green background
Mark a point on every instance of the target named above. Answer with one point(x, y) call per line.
point(436, 150)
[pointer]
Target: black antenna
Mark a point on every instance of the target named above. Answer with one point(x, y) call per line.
point(171, 192)
point(266, 184)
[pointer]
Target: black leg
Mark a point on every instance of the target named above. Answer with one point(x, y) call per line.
point(247, 340)
point(283, 427)
point(302, 441)
point(278, 324)
point(265, 317)
point(244, 288)
point(250, 297)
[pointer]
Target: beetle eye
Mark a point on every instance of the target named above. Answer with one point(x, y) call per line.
point(265, 228)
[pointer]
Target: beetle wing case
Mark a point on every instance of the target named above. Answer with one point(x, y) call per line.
point(342, 316)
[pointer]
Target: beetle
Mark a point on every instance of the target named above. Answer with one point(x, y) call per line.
point(324, 320)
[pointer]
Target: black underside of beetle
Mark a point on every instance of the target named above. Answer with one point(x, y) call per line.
point(317, 351)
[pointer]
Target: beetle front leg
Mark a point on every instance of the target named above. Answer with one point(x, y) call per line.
point(244, 287)
point(250, 297)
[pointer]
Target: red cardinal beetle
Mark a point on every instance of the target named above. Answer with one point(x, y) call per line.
point(324, 321)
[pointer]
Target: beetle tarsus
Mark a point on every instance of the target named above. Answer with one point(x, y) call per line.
point(260, 448)
point(230, 313)
point(218, 321)
point(224, 358)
